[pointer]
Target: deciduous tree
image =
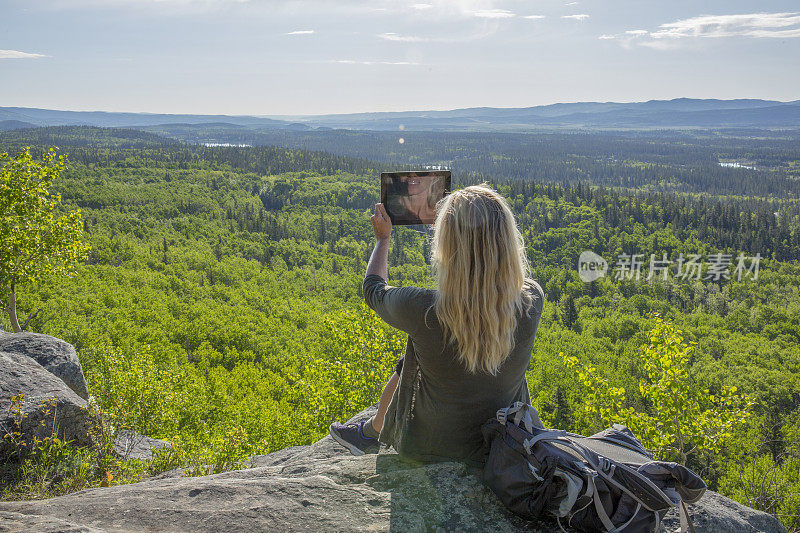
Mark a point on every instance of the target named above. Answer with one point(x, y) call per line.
point(36, 236)
point(683, 417)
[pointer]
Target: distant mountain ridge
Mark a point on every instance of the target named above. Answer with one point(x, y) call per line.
point(108, 119)
point(559, 109)
point(652, 114)
point(677, 113)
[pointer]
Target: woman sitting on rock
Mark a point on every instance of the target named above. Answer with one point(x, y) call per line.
point(469, 342)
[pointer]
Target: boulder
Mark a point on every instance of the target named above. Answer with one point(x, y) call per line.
point(20, 373)
point(322, 487)
point(56, 356)
point(129, 444)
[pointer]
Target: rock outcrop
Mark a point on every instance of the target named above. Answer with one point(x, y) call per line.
point(321, 487)
point(131, 445)
point(56, 356)
point(36, 415)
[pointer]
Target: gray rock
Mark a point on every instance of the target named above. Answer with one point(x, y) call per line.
point(168, 474)
point(129, 444)
point(715, 513)
point(56, 356)
point(20, 373)
point(322, 487)
point(23, 523)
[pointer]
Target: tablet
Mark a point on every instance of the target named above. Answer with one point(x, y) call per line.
point(410, 197)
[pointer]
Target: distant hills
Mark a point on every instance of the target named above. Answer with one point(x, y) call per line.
point(680, 113)
point(7, 125)
point(51, 117)
point(677, 113)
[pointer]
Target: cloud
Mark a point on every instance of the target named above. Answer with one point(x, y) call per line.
point(754, 25)
point(300, 32)
point(582, 16)
point(421, 7)
point(759, 25)
point(494, 14)
point(533, 17)
point(354, 62)
point(391, 36)
point(16, 54)
point(484, 29)
point(163, 7)
point(571, 4)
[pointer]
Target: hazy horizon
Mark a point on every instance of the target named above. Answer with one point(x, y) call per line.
point(387, 111)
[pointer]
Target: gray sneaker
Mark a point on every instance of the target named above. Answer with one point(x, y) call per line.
point(352, 437)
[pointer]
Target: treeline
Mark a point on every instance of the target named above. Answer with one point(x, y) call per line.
point(667, 162)
point(769, 228)
point(125, 148)
point(677, 164)
point(82, 137)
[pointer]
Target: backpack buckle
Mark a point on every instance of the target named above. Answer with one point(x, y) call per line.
point(502, 416)
point(606, 466)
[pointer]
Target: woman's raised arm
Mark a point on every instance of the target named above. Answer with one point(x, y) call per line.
point(382, 226)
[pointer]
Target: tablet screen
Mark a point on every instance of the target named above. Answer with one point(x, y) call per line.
point(410, 197)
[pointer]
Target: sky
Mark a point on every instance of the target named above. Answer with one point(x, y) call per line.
point(301, 57)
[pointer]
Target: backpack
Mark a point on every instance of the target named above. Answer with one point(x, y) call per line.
point(606, 482)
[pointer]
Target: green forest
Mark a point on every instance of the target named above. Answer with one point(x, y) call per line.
point(220, 307)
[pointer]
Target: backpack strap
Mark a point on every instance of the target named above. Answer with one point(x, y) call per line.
point(686, 520)
point(604, 518)
point(553, 434)
point(598, 506)
point(591, 491)
point(522, 414)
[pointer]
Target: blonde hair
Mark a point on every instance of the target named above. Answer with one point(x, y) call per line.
point(480, 264)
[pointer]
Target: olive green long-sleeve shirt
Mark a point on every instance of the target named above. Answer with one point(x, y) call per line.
point(438, 408)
